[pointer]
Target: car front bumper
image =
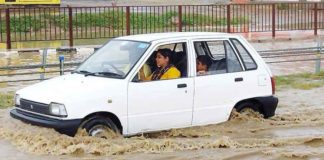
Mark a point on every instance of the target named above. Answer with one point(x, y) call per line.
point(68, 127)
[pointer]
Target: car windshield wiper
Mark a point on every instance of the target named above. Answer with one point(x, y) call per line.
point(104, 74)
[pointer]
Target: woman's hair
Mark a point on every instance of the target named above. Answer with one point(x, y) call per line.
point(204, 60)
point(166, 52)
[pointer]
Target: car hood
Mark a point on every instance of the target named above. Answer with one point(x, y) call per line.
point(68, 87)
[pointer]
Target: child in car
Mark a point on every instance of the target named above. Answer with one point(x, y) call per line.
point(203, 64)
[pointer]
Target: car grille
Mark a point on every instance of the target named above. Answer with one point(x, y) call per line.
point(34, 106)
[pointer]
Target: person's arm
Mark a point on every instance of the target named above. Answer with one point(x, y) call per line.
point(147, 70)
point(142, 75)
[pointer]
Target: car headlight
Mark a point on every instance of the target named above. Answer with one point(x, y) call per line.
point(17, 100)
point(57, 110)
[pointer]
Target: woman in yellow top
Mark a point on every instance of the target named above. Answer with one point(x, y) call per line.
point(165, 69)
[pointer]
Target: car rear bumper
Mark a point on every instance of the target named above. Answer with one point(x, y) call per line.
point(269, 105)
point(68, 127)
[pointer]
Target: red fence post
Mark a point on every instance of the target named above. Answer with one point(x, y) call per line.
point(228, 18)
point(70, 27)
point(180, 18)
point(127, 21)
point(315, 19)
point(8, 28)
point(273, 20)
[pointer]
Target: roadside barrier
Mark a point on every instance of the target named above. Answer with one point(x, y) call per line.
point(47, 70)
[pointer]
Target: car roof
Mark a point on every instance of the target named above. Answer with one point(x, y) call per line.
point(173, 35)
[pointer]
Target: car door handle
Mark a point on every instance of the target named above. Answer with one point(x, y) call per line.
point(182, 85)
point(239, 79)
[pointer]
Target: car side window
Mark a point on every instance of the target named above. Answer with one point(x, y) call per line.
point(167, 61)
point(248, 61)
point(221, 55)
point(217, 49)
point(200, 48)
point(233, 64)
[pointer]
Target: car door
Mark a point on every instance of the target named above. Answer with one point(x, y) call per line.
point(256, 78)
point(216, 92)
point(160, 104)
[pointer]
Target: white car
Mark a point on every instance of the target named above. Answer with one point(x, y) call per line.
point(105, 92)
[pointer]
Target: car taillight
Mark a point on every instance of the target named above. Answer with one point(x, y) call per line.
point(273, 84)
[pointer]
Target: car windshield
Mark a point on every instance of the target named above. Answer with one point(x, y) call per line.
point(114, 60)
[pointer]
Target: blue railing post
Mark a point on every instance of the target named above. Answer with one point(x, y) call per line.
point(61, 58)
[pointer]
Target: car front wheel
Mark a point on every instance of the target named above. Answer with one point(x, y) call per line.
point(101, 127)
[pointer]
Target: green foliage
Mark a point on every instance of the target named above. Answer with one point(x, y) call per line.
point(199, 19)
point(105, 19)
point(300, 81)
point(283, 80)
point(115, 20)
point(6, 100)
point(60, 20)
point(2, 27)
point(239, 20)
point(143, 20)
point(22, 24)
point(306, 85)
point(282, 6)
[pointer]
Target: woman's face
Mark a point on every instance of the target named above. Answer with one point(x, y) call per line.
point(161, 61)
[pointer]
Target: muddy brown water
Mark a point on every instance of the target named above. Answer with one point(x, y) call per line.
point(296, 132)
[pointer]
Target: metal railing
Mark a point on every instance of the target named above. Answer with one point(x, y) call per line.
point(72, 23)
point(291, 55)
point(53, 69)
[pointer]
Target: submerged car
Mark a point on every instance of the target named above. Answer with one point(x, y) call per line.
point(106, 92)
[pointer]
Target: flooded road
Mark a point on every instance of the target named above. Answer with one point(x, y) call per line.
point(296, 132)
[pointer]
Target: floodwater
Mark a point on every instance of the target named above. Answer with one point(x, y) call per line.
point(296, 132)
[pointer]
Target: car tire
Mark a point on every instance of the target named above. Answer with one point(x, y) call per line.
point(248, 105)
point(101, 127)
